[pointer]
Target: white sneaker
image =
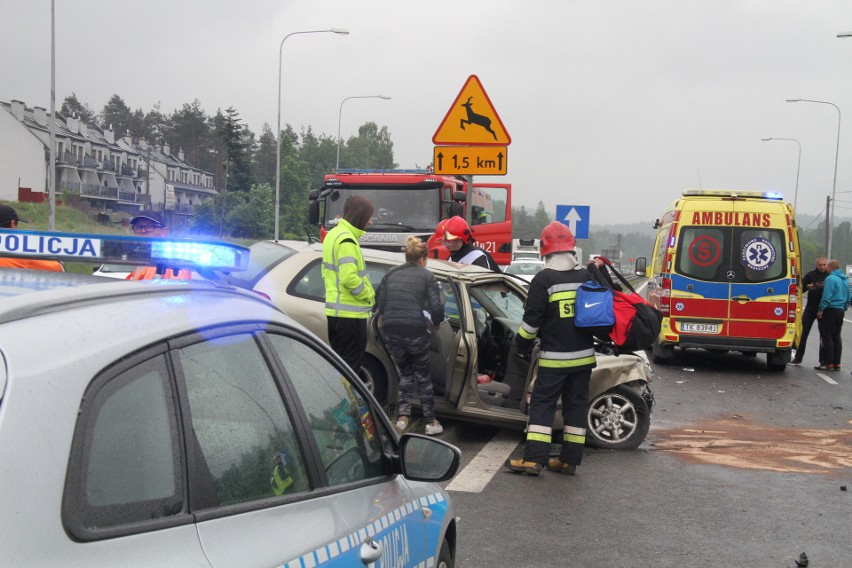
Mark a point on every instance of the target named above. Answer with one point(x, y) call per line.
point(434, 428)
point(402, 423)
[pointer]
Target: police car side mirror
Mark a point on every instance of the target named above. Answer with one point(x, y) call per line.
point(428, 459)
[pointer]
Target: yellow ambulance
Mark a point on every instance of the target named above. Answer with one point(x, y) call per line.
point(724, 273)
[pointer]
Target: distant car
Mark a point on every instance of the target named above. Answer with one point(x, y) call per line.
point(118, 271)
point(476, 371)
point(186, 423)
point(526, 268)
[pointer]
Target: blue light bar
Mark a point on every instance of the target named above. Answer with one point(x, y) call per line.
point(130, 250)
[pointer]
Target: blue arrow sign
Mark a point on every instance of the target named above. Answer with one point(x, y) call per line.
point(576, 217)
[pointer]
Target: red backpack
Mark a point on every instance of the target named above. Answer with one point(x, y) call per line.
point(637, 323)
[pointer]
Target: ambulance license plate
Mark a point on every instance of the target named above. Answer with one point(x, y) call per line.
point(699, 328)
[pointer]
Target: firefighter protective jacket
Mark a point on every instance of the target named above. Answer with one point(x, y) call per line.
point(549, 315)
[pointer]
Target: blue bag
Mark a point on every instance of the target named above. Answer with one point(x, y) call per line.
point(593, 308)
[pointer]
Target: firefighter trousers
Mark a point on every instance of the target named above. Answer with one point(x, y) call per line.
point(573, 387)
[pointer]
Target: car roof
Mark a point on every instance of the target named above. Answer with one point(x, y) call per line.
point(266, 255)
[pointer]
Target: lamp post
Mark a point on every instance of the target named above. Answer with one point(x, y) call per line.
point(836, 154)
point(798, 165)
point(340, 114)
point(340, 31)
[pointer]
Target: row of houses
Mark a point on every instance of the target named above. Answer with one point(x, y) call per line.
point(108, 173)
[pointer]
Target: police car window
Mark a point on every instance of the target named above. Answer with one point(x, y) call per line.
point(350, 441)
point(309, 283)
point(128, 453)
point(240, 422)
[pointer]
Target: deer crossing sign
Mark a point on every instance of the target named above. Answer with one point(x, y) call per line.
point(472, 120)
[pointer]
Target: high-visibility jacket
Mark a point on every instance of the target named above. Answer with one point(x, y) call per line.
point(348, 291)
point(150, 273)
point(31, 264)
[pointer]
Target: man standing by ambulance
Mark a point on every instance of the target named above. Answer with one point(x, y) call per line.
point(349, 295)
point(812, 282)
point(566, 358)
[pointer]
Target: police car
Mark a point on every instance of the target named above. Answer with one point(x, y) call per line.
point(189, 423)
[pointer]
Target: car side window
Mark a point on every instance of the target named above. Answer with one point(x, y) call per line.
point(128, 466)
point(349, 440)
point(309, 284)
point(241, 425)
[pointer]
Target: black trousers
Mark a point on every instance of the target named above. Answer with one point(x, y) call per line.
point(573, 387)
point(808, 319)
point(348, 338)
point(831, 345)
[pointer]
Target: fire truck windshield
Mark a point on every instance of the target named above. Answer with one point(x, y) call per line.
point(396, 207)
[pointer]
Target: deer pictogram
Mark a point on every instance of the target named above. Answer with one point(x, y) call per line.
point(473, 118)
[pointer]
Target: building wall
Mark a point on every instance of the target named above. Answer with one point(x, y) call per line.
point(21, 158)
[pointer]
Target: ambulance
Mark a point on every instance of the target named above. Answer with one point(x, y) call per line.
point(724, 273)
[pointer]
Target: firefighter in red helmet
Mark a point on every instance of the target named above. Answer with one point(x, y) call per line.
point(457, 236)
point(566, 357)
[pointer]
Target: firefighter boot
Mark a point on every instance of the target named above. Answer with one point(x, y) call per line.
point(523, 467)
point(555, 464)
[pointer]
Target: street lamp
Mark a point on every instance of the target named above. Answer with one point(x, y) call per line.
point(798, 166)
point(340, 114)
point(836, 154)
point(340, 31)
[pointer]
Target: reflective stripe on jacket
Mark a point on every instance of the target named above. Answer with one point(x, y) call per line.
point(549, 315)
point(348, 291)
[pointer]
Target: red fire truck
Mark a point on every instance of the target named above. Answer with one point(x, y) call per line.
point(412, 202)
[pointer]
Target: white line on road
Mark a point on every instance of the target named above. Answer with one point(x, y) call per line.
point(827, 379)
point(476, 475)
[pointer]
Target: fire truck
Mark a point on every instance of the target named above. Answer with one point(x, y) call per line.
point(413, 202)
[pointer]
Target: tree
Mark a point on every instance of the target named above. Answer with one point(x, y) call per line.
point(189, 129)
point(371, 149)
point(232, 142)
point(264, 156)
point(117, 113)
point(73, 107)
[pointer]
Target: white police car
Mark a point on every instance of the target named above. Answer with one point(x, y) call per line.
point(185, 423)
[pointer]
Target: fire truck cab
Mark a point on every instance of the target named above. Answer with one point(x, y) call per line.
point(724, 272)
point(413, 202)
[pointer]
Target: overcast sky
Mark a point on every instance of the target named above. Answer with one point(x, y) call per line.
point(614, 104)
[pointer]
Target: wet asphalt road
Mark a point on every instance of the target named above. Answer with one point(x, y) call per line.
point(742, 467)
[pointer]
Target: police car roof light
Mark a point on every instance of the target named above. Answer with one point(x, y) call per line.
point(130, 250)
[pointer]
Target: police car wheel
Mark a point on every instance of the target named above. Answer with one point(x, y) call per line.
point(445, 559)
point(618, 419)
point(374, 377)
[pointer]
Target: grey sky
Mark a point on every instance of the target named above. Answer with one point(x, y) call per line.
point(614, 104)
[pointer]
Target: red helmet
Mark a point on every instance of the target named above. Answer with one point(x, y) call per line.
point(556, 237)
point(454, 228)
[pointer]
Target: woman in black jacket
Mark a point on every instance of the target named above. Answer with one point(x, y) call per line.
point(409, 300)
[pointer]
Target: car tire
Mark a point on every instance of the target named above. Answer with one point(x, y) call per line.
point(445, 558)
point(662, 354)
point(375, 378)
point(618, 419)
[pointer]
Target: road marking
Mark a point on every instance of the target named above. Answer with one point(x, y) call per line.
point(476, 475)
point(827, 379)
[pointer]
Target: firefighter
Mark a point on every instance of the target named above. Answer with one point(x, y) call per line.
point(349, 295)
point(457, 236)
point(566, 357)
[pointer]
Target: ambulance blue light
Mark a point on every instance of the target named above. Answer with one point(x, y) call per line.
point(773, 195)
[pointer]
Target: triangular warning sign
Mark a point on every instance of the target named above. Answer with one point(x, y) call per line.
point(472, 120)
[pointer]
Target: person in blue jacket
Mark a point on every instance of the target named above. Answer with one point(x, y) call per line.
point(835, 300)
